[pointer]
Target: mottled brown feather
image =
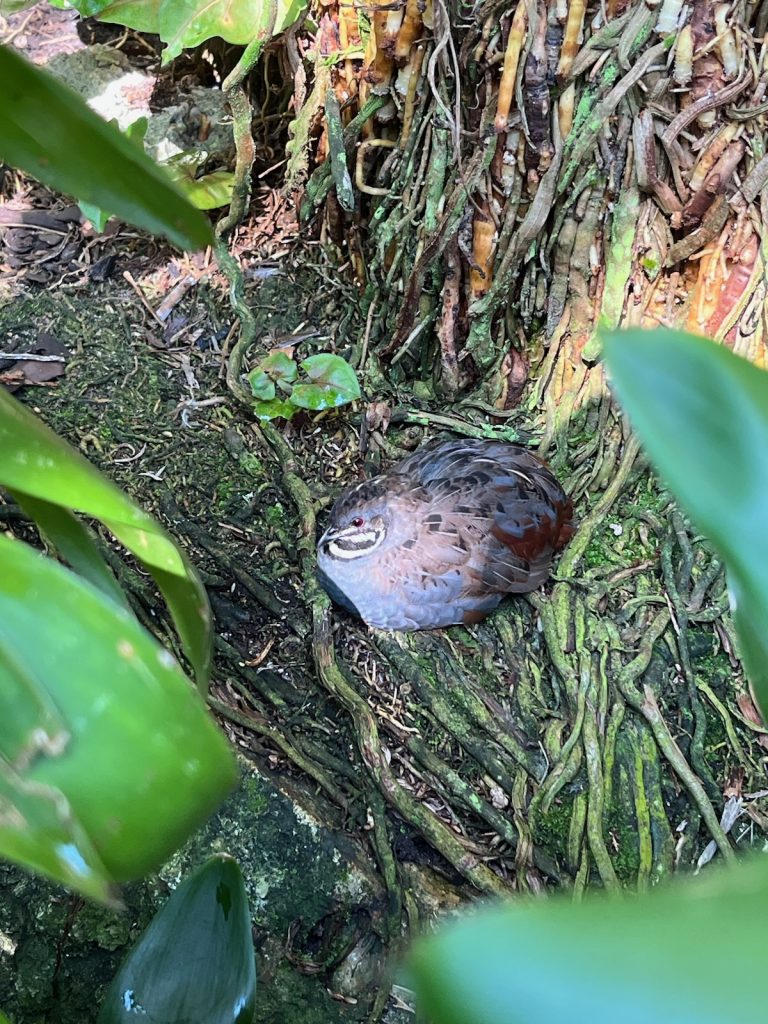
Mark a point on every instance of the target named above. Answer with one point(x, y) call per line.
point(469, 521)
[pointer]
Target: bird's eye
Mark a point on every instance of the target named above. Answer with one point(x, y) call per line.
point(357, 522)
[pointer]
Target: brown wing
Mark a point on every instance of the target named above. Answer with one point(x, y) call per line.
point(492, 514)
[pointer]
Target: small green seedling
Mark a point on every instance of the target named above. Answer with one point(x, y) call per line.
point(327, 382)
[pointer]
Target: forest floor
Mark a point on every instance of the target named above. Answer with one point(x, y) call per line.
point(594, 734)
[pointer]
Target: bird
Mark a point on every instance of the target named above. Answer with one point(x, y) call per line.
point(444, 535)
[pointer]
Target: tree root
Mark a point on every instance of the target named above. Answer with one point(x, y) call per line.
point(586, 739)
point(364, 723)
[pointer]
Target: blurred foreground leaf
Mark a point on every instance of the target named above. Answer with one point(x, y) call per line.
point(108, 758)
point(36, 463)
point(702, 414)
point(135, 133)
point(194, 964)
point(690, 953)
point(49, 132)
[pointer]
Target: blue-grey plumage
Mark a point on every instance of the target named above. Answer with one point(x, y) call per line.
point(444, 535)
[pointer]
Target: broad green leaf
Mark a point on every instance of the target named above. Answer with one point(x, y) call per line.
point(99, 218)
point(702, 414)
point(279, 366)
point(37, 463)
point(74, 543)
point(206, 192)
point(49, 132)
point(210, 191)
point(276, 409)
point(186, 23)
point(135, 132)
point(39, 832)
point(663, 959)
point(262, 386)
point(4, 1019)
point(195, 962)
point(108, 758)
point(318, 396)
point(334, 383)
point(330, 369)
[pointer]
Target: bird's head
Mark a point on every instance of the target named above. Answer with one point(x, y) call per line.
point(359, 523)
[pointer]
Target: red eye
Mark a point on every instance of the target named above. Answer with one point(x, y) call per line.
point(357, 522)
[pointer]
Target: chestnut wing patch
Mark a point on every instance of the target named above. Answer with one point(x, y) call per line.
point(528, 528)
point(486, 519)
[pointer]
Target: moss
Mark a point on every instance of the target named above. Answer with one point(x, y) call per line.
point(650, 264)
point(291, 865)
point(595, 556)
point(226, 490)
point(285, 995)
point(620, 818)
point(274, 516)
point(552, 828)
point(66, 950)
point(423, 390)
point(252, 465)
point(621, 827)
point(295, 870)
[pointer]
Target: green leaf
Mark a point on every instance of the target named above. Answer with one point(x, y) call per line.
point(262, 386)
point(195, 963)
point(49, 132)
point(209, 191)
point(659, 959)
point(329, 369)
point(74, 543)
point(318, 396)
point(48, 838)
point(37, 463)
point(108, 758)
point(186, 23)
point(135, 132)
point(334, 383)
point(353, 52)
point(99, 218)
point(206, 192)
point(3, 1018)
point(702, 414)
point(276, 409)
point(279, 366)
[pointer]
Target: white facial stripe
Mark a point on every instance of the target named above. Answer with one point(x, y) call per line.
point(355, 547)
point(343, 553)
point(361, 540)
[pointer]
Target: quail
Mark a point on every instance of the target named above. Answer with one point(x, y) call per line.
point(444, 535)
